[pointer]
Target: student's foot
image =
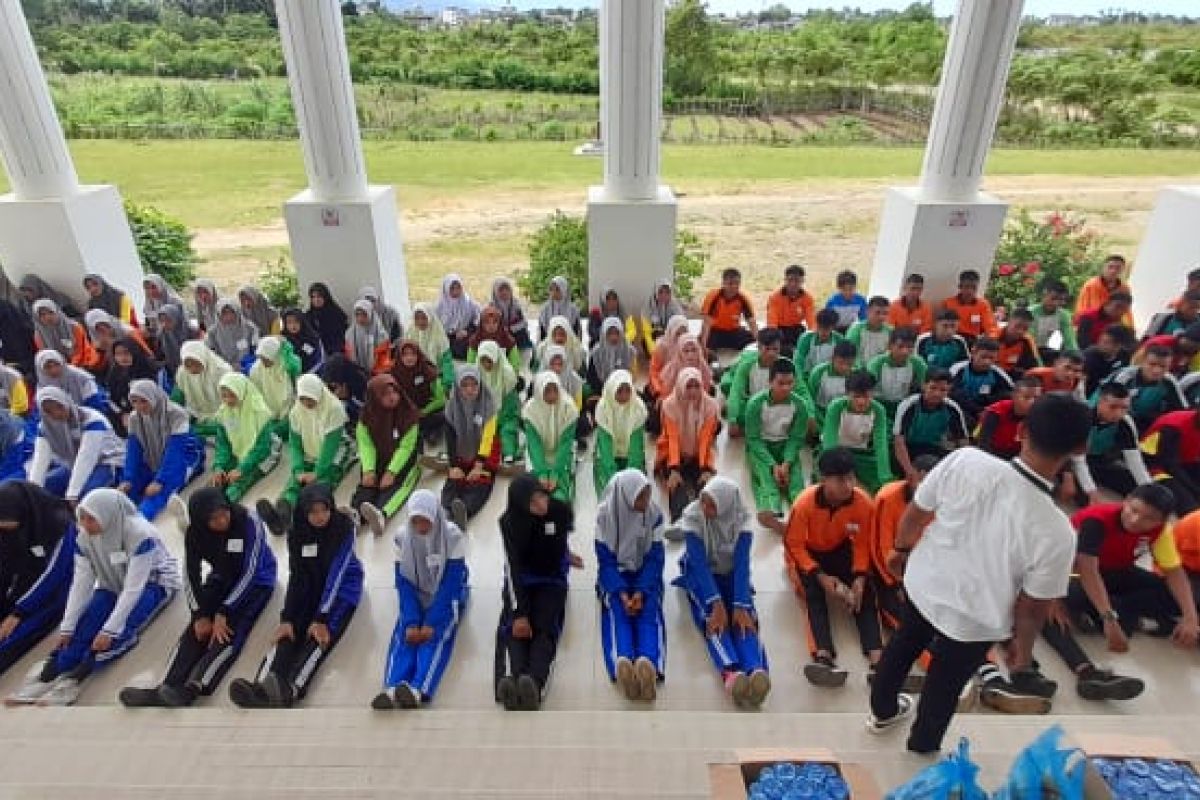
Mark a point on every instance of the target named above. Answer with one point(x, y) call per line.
point(248, 694)
point(529, 696)
point(1031, 681)
point(1003, 696)
point(179, 510)
point(458, 513)
point(760, 687)
point(626, 679)
point(177, 696)
point(373, 517)
point(674, 533)
point(406, 697)
point(904, 709)
point(283, 509)
point(429, 462)
point(506, 694)
point(278, 691)
point(1103, 684)
point(382, 702)
point(29, 693)
point(824, 672)
point(647, 679)
point(64, 692)
point(269, 516)
point(737, 684)
point(137, 697)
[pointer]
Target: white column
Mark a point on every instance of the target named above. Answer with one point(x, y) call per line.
point(343, 231)
point(1168, 252)
point(945, 224)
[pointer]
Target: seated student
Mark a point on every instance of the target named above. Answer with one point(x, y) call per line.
point(1090, 325)
point(871, 335)
point(975, 317)
point(303, 339)
point(247, 446)
point(78, 384)
point(173, 333)
point(105, 331)
point(275, 371)
point(429, 335)
point(928, 424)
point(54, 330)
point(687, 454)
point(1153, 390)
point(573, 387)
point(559, 334)
point(473, 447)
point(512, 313)
point(32, 288)
point(612, 352)
point(327, 318)
point(1193, 285)
point(1114, 594)
point(536, 531)
point(890, 505)
point(17, 436)
point(1064, 375)
point(205, 295)
point(367, 343)
point(550, 417)
point(714, 572)
point(459, 315)
point(1184, 346)
point(909, 310)
point(389, 317)
point(388, 437)
point(1051, 317)
point(1187, 541)
point(16, 336)
point(898, 373)
point(723, 310)
point(1172, 449)
point(827, 550)
point(324, 587)
point(197, 386)
point(689, 355)
point(258, 310)
point(234, 338)
point(559, 304)
point(943, 348)
point(661, 308)
point(1107, 357)
point(610, 307)
point(320, 448)
point(491, 329)
point(827, 382)
point(750, 374)
point(1097, 290)
point(14, 392)
point(76, 450)
point(790, 308)
point(816, 347)
point(129, 363)
point(629, 584)
point(37, 551)
point(348, 381)
point(664, 353)
point(104, 296)
point(123, 577)
point(620, 430)
point(432, 583)
point(224, 604)
point(1113, 460)
point(419, 380)
point(849, 305)
point(978, 382)
point(999, 431)
point(1018, 351)
point(162, 455)
point(858, 423)
point(777, 422)
point(501, 380)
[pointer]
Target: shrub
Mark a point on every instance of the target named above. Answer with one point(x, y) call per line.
point(553, 130)
point(1032, 250)
point(164, 244)
point(279, 283)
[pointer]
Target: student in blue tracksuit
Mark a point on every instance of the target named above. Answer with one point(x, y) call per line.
point(629, 546)
point(431, 580)
point(123, 577)
point(847, 302)
point(224, 605)
point(325, 585)
point(715, 574)
point(37, 554)
point(162, 455)
point(16, 444)
point(76, 449)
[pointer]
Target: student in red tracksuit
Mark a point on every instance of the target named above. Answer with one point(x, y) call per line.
point(1172, 449)
point(1001, 422)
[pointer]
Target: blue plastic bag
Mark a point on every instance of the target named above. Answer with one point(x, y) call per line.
point(953, 778)
point(1045, 768)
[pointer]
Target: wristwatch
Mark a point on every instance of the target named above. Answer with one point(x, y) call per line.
point(1110, 616)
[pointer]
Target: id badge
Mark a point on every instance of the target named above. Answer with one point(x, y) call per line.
point(308, 551)
point(235, 546)
point(118, 558)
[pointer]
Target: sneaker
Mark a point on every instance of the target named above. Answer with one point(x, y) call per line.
point(63, 692)
point(284, 510)
point(966, 698)
point(646, 676)
point(760, 687)
point(738, 686)
point(529, 696)
point(626, 679)
point(406, 697)
point(247, 694)
point(458, 513)
point(1030, 681)
point(1003, 696)
point(382, 702)
point(914, 683)
point(179, 510)
point(506, 694)
point(269, 516)
point(674, 533)
point(277, 691)
point(1103, 684)
point(373, 517)
point(823, 671)
point(137, 697)
point(904, 709)
point(29, 693)
point(430, 463)
point(178, 696)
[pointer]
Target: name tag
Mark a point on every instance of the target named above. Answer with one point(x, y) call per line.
point(985, 389)
point(307, 349)
point(395, 433)
point(417, 381)
point(67, 342)
point(235, 546)
point(38, 551)
point(433, 560)
point(975, 318)
point(851, 527)
point(242, 344)
point(551, 529)
point(308, 551)
point(478, 419)
point(118, 558)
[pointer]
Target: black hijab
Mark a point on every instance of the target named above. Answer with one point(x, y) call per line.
point(532, 546)
point(339, 369)
point(306, 344)
point(117, 378)
point(43, 520)
point(204, 502)
point(16, 337)
point(109, 298)
point(329, 321)
point(340, 524)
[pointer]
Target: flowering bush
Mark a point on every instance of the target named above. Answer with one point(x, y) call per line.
point(1031, 250)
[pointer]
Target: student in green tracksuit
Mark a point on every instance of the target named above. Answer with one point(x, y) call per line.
point(501, 380)
point(816, 347)
point(550, 417)
point(828, 381)
point(1052, 316)
point(620, 430)
point(750, 375)
point(247, 446)
point(430, 336)
point(776, 429)
point(871, 335)
point(859, 423)
point(943, 347)
point(898, 373)
point(276, 368)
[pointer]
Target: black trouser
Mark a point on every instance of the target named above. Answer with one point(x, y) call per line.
point(379, 497)
point(736, 339)
point(203, 665)
point(952, 665)
point(1135, 594)
point(459, 348)
point(22, 641)
point(474, 494)
point(431, 426)
point(891, 602)
point(653, 421)
point(296, 661)
point(1186, 500)
point(687, 491)
point(1111, 474)
point(791, 337)
point(535, 656)
point(915, 451)
point(838, 563)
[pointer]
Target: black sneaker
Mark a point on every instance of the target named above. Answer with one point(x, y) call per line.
point(247, 694)
point(278, 691)
point(1001, 695)
point(824, 672)
point(406, 697)
point(177, 696)
point(382, 702)
point(269, 516)
point(1030, 681)
point(283, 509)
point(529, 696)
point(506, 694)
point(904, 709)
point(1103, 684)
point(135, 697)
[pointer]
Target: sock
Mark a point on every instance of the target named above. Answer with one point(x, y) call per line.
point(990, 673)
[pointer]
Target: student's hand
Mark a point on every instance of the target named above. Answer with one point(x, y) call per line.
point(305, 478)
point(153, 488)
point(1118, 642)
point(369, 480)
point(202, 629)
point(125, 487)
point(101, 643)
point(674, 480)
point(9, 625)
point(1058, 616)
point(221, 632)
point(387, 480)
point(412, 635)
point(521, 629)
point(782, 476)
point(735, 430)
point(477, 473)
point(457, 474)
point(896, 563)
point(744, 622)
point(830, 584)
point(705, 477)
point(1186, 633)
point(575, 560)
point(219, 478)
point(64, 639)
point(426, 633)
point(319, 633)
point(284, 631)
point(549, 484)
point(857, 588)
point(627, 603)
point(1095, 498)
point(233, 476)
point(718, 619)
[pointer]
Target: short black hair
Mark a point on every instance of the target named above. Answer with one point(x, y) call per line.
point(879, 301)
point(968, 276)
point(1194, 275)
point(1028, 382)
point(1123, 335)
point(1058, 425)
point(1114, 389)
point(986, 344)
point(1191, 332)
point(1054, 285)
point(1156, 496)
point(1115, 257)
point(905, 334)
point(938, 375)
point(947, 315)
point(730, 274)
point(844, 349)
point(794, 270)
point(1022, 313)
point(769, 336)
point(860, 382)
point(1120, 297)
point(827, 318)
point(782, 366)
point(1074, 356)
point(835, 463)
point(914, 279)
point(925, 462)
point(1158, 351)
point(1192, 296)
point(847, 276)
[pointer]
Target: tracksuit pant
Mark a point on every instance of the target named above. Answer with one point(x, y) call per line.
point(431, 427)
point(77, 657)
point(890, 599)
point(508, 422)
point(687, 491)
point(391, 499)
point(151, 507)
point(296, 661)
point(338, 471)
point(31, 630)
point(953, 664)
point(736, 339)
point(203, 665)
point(422, 666)
point(732, 650)
point(633, 637)
point(474, 494)
point(839, 564)
point(534, 656)
point(768, 495)
point(58, 478)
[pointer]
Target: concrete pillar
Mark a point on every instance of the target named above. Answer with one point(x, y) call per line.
point(1168, 252)
point(945, 224)
point(343, 231)
point(49, 224)
point(631, 217)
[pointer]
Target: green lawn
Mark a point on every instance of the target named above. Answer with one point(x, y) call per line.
point(237, 183)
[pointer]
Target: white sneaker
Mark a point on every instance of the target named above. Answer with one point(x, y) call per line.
point(904, 709)
point(64, 692)
point(179, 508)
point(373, 517)
point(29, 693)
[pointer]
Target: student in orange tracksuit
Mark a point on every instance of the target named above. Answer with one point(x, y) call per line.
point(1187, 542)
point(790, 308)
point(1096, 291)
point(975, 317)
point(909, 310)
point(723, 311)
point(827, 548)
point(54, 330)
point(890, 503)
point(1018, 350)
point(687, 453)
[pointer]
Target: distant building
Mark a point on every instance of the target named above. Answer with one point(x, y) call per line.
point(1071, 21)
point(452, 17)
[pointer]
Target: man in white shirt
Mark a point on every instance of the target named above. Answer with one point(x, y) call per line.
point(990, 552)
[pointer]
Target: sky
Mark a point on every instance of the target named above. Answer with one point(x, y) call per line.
point(941, 7)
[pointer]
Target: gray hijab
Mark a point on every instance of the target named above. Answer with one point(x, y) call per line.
point(466, 417)
point(627, 532)
point(607, 359)
point(363, 339)
point(719, 534)
point(57, 335)
point(234, 341)
point(78, 384)
point(154, 430)
point(261, 312)
point(389, 318)
point(558, 308)
point(206, 313)
point(154, 305)
point(124, 531)
point(422, 559)
point(658, 314)
point(170, 342)
point(63, 437)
